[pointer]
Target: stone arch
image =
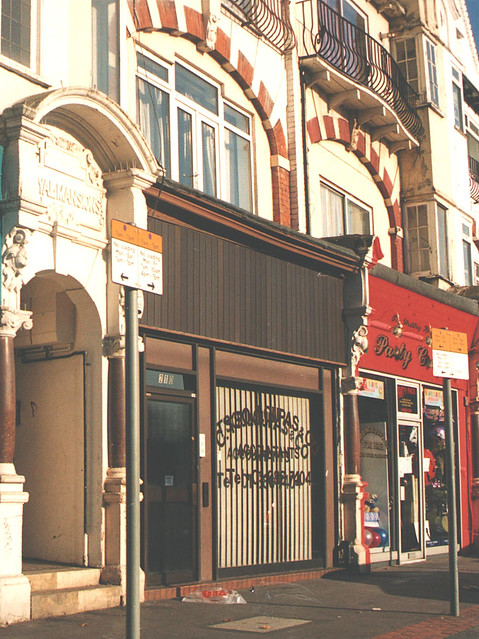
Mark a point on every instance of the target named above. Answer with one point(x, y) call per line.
point(338, 129)
point(95, 121)
point(191, 25)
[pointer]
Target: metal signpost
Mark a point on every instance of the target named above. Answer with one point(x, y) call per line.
point(136, 263)
point(450, 360)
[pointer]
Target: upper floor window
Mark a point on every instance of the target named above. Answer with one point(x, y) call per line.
point(442, 241)
point(16, 30)
point(201, 140)
point(406, 58)
point(342, 215)
point(349, 12)
point(457, 99)
point(432, 84)
point(105, 47)
point(427, 239)
point(467, 252)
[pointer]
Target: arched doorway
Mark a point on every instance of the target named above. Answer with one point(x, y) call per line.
point(56, 363)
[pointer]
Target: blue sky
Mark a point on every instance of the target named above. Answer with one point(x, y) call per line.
point(473, 8)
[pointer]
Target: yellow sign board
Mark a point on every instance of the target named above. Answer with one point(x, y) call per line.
point(134, 235)
point(451, 341)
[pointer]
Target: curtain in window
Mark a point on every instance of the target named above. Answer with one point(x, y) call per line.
point(185, 148)
point(238, 170)
point(153, 110)
point(209, 158)
point(331, 212)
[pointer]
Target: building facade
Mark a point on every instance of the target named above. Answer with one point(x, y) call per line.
point(281, 151)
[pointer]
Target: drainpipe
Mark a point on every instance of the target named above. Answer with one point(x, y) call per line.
point(305, 155)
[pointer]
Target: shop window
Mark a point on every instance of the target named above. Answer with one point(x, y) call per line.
point(406, 58)
point(268, 478)
point(374, 456)
point(105, 48)
point(342, 215)
point(200, 139)
point(16, 30)
point(457, 99)
point(432, 83)
point(434, 467)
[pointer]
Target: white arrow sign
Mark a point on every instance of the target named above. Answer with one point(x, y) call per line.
point(136, 258)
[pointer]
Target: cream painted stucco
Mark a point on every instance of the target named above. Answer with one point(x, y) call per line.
point(331, 162)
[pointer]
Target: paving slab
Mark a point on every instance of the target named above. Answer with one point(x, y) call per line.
point(395, 602)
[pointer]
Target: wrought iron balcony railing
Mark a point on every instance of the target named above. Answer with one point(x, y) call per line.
point(474, 178)
point(474, 168)
point(356, 54)
point(269, 17)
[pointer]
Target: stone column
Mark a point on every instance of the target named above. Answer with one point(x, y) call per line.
point(355, 313)
point(353, 487)
point(114, 496)
point(14, 586)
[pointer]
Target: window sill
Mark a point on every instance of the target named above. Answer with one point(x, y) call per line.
point(432, 106)
point(24, 72)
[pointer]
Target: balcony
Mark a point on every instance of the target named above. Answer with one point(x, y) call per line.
point(357, 73)
point(474, 178)
point(269, 18)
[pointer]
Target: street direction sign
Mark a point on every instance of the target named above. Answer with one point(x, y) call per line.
point(136, 257)
point(449, 354)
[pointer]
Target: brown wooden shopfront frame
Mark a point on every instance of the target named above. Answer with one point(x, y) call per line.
point(208, 369)
point(246, 302)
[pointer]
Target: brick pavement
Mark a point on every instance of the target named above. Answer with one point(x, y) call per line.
point(438, 628)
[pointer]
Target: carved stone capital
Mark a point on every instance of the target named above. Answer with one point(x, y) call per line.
point(14, 260)
point(11, 320)
point(350, 385)
point(114, 346)
point(359, 346)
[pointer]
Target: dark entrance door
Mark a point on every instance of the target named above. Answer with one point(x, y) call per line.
point(169, 509)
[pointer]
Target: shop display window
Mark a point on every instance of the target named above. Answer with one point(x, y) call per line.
point(374, 462)
point(434, 468)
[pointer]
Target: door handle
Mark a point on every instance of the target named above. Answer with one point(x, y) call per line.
point(205, 494)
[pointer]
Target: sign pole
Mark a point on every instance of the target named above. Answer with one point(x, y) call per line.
point(451, 500)
point(132, 437)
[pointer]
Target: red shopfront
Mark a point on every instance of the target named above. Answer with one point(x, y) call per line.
point(401, 411)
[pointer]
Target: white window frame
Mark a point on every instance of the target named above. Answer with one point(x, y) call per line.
point(345, 199)
point(32, 66)
point(457, 99)
point(428, 239)
point(404, 63)
point(106, 47)
point(431, 72)
point(476, 273)
point(200, 115)
point(467, 261)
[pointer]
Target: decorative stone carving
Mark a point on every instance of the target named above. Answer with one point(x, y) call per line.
point(69, 183)
point(211, 30)
point(359, 346)
point(11, 320)
point(14, 260)
point(114, 346)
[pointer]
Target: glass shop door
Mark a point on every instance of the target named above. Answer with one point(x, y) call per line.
point(170, 491)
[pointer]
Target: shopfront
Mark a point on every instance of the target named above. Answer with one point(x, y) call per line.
point(401, 412)
point(240, 378)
